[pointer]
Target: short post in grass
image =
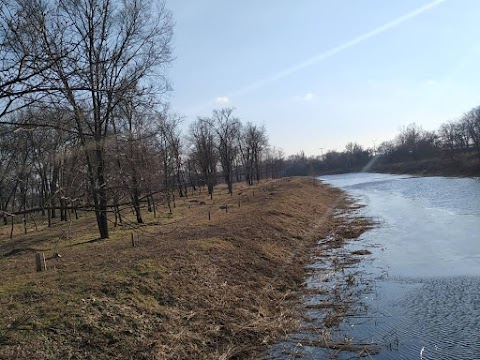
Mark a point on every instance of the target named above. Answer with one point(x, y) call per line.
point(209, 216)
point(40, 262)
point(11, 229)
point(134, 244)
point(24, 220)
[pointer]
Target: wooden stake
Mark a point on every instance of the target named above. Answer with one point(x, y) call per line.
point(40, 262)
point(208, 214)
point(133, 241)
point(11, 229)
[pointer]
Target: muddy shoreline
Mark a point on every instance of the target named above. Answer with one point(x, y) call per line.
point(334, 291)
point(228, 287)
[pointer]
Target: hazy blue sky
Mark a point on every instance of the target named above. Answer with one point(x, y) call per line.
point(321, 73)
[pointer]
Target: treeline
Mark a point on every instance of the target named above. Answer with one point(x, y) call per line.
point(454, 148)
point(43, 168)
point(83, 124)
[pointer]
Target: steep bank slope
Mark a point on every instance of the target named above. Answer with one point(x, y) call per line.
point(191, 288)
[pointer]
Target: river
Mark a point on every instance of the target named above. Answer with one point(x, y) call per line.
point(423, 274)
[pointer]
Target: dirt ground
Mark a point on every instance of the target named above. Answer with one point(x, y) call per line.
point(191, 288)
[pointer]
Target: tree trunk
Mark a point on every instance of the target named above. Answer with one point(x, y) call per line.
point(136, 207)
point(100, 195)
point(149, 204)
point(136, 200)
point(101, 212)
point(154, 208)
point(102, 223)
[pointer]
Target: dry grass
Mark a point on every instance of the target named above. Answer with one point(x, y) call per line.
point(192, 289)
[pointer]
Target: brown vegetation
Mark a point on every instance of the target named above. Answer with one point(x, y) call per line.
point(191, 288)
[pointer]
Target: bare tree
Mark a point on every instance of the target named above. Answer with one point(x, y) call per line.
point(448, 136)
point(169, 128)
point(252, 142)
point(204, 153)
point(462, 134)
point(103, 50)
point(227, 129)
point(472, 120)
point(23, 60)
point(129, 133)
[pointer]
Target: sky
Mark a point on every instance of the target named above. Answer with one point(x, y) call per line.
point(319, 74)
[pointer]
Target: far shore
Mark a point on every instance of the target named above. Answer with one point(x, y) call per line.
point(431, 167)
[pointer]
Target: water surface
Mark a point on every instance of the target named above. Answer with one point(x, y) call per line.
point(425, 265)
point(419, 290)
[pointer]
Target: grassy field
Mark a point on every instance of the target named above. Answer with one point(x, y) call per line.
point(192, 288)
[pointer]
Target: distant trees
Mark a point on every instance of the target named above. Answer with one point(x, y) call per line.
point(472, 125)
point(414, 143)
point(448, 133)
point(274, 163)
point(227, 128)
point(252, 144)
point(353, 158)
point(204, 151)
point(222, 142)
point(456, 140)
point(356, 156)
point(170, 148)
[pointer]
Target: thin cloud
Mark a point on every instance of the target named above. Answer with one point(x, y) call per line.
point(326, 54)
point(308, 97)
point(222, 100)
point(339, 48)
point(304, 98)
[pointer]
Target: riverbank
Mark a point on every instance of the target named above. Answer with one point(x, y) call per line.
point(191, 287)
point(431, 167)
point(426, 167)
